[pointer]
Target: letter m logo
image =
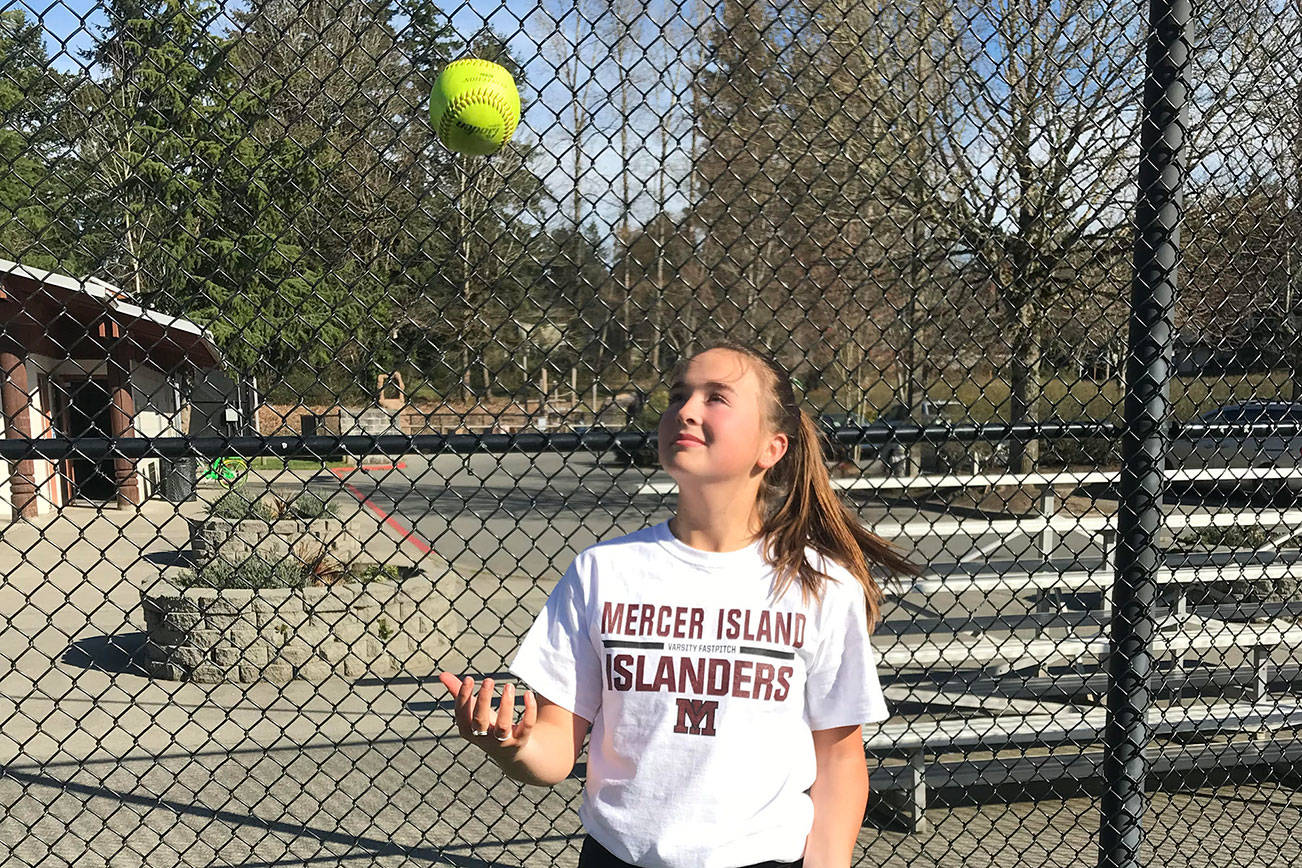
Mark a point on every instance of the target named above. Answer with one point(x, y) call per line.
point(696, 716)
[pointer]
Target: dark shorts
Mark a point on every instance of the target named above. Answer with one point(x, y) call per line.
point(593, 855)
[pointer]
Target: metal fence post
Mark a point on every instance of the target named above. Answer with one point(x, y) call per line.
point(1148, 370)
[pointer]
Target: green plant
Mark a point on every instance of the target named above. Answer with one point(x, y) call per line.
point(238, 505)
point(310, 505)
point(383, 630)
point(254, 573)
point(309, 566)
point(378, 573)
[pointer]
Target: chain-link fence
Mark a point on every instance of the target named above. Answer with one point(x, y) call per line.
point(301, 408)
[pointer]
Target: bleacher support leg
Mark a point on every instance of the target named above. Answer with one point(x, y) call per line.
point(1048, 508)
point(1261, 672)
point(1109, 537)
point(917, 792)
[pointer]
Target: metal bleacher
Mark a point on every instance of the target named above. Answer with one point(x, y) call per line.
point(991, 703)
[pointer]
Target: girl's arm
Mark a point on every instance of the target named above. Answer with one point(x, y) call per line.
point(840, 795)
point(541, 749)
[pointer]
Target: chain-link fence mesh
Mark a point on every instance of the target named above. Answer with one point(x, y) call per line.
point(301, 408)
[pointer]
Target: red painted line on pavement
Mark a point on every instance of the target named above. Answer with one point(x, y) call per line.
point(408, 535)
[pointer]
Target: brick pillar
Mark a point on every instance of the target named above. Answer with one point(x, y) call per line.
point(122, 412)
point(15, 403)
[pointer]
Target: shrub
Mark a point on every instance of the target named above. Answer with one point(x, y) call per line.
point(378, 573)
point(1239, 591)
point(310, 505)
point(255, 572)
point(1075, 451)
point(1234, 536)
point(236, 505)
point(258, 572)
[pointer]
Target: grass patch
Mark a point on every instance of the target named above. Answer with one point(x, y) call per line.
point(275, 462)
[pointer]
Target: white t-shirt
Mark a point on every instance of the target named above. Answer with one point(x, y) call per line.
point(702, 692)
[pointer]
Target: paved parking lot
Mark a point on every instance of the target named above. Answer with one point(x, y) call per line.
point(103, 766)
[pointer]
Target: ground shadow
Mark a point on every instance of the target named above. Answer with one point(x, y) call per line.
point(120, 654)
point(177, 558)
point(362, 846)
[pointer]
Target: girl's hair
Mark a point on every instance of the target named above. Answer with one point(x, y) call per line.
point(800, 508)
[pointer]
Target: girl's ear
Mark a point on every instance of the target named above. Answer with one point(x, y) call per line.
point(773, 451)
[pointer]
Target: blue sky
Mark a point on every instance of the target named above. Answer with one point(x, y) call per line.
point(68, 28)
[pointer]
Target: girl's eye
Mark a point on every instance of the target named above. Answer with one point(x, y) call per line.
point(676, 397)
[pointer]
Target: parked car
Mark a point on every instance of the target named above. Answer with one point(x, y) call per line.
point(1248, 449)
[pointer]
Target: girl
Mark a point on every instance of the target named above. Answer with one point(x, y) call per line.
point(721, 657)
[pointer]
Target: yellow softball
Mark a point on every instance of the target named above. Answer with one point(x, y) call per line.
point(474, 106)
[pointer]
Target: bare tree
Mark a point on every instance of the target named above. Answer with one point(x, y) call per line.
point(741, 159)
point(1243, 242)
point(571, 46)
point(1039, 149)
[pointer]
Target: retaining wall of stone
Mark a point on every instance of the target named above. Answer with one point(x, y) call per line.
point(237, 540)
point(351, 629)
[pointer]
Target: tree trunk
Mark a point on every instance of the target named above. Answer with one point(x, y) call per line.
point(466, 392)
point(1025, 389)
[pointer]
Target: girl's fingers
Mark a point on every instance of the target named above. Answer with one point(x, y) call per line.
point(464, 697)
point(483, 716)
point(529, 717)
point(451, 682)
point(475, 707)
point(506, 711)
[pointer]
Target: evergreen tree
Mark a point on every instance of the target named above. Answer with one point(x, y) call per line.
point(36, 217)
point(188, 210)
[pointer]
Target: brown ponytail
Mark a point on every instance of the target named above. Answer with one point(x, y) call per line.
point(800, 508)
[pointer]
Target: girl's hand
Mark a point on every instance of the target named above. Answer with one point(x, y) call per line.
point(474, 713)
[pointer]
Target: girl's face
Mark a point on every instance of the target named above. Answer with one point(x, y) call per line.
point(715, 427)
